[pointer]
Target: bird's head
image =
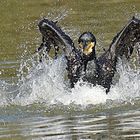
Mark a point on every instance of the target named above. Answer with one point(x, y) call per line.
point(87, 42)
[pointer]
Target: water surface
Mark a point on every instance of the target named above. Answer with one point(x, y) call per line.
point(35, 102)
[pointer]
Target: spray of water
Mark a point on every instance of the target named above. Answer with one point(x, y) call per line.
point(46, 82)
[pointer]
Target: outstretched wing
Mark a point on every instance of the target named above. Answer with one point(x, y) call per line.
point(125, 41)
point(53, 36)
point(122, 45)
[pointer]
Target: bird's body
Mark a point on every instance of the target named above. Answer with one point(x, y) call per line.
point(79, 59)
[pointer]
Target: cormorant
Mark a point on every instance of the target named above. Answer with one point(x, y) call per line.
point(78, 58)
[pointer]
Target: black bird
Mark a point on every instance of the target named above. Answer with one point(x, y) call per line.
point(78, 58)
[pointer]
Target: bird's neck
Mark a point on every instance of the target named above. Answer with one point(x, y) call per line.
point(91, 57)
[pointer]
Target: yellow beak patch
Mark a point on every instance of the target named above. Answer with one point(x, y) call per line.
point(88, 49)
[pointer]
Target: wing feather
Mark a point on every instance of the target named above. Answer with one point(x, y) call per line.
point(122, 45)
point(53, 36)
point(125, 41)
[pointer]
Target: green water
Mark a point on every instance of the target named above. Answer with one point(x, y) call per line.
point(19, 32)
point(19, 20)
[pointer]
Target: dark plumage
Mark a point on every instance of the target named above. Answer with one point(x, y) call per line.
point(78, 58)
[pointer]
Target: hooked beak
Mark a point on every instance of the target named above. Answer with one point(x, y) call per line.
point(88, 48)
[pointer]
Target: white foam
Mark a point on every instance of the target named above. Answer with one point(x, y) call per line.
point(46, 83)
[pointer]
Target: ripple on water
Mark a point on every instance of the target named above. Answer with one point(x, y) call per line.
point(40, 105)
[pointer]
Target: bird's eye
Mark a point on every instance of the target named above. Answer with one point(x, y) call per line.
point(88, 42)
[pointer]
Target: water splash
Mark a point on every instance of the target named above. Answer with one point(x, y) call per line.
point(54, 16)
point(43, 83)
point(47, 83)
point(128, 86)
